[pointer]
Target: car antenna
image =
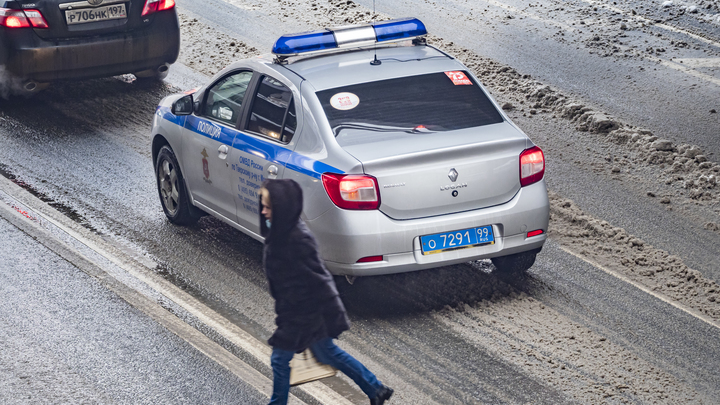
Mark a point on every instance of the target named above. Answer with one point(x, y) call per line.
point(376, 61)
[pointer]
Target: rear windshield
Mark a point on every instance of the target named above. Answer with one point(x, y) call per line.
point(434, 102)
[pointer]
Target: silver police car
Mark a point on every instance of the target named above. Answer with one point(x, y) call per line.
point(405, 160)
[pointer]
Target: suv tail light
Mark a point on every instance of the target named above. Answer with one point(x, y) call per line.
point(532, 166)
point(19, 19)
point(152, 6)
point(352, 191)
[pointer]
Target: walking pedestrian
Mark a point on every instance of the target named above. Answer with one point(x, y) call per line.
point(309, 311)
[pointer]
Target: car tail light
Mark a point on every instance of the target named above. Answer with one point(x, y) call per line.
point(351, 191)
point(370, 259)
point(152, 6)
point(532, 166)
point(13, 18)
point(22, 19)
point(36, 19)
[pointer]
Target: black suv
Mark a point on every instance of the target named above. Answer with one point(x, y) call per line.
point(48, 40)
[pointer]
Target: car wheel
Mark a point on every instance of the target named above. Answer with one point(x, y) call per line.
point(516, 264)
point(171, 187)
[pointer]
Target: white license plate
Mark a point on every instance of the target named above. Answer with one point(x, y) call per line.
point(86, 15)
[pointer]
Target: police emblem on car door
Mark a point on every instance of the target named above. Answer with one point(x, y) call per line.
point(208, 139)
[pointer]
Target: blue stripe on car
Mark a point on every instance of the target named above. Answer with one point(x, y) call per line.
point(164, 112)
point(303, 164)
point(266, 150)
point(210, 129)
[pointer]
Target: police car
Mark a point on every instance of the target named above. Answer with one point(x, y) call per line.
point(405, 160)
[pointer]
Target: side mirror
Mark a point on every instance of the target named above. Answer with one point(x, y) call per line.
point(183, 105)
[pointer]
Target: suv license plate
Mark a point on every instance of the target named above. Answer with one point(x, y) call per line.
point(86, 15)
point(465, 238)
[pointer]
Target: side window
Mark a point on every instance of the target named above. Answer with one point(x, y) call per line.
point(224, 100)
point(273, 111)
point(290, 124)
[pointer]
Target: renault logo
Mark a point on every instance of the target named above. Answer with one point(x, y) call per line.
point(453, 175)
point(94, 2)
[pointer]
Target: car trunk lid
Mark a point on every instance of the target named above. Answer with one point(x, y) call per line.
point(428, 174)
point(71, 19)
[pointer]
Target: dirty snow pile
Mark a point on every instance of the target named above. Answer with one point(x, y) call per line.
point(614, 248)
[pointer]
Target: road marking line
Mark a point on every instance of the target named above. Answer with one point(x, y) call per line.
point(688, 33)
point(651, 22)
point(669, 64)
point(645, 289)
point(698, 62)
point(143, 273)
point(243, 5)
point(676, 65)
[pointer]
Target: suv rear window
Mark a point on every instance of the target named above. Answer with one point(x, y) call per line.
point(434, 102)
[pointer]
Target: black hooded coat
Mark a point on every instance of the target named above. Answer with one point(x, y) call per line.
point(307, 302)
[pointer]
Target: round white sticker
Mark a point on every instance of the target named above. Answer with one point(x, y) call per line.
point(344, 101)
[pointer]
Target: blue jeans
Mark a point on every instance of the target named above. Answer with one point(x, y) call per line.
point(326, 352)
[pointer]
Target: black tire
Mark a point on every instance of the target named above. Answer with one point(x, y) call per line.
point(516, 264)
point(171, 188)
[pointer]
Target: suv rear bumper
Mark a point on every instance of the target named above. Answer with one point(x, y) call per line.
point(346, 236)
point(30, 57)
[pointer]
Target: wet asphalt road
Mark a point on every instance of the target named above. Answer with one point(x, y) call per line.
point(67, 339)
point(89, 156)
point(394, 326)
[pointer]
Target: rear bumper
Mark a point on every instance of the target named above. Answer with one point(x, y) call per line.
point(346, 236)
point(30, 57)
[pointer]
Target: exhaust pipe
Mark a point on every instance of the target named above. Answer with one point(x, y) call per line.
point(30, 86)
point(159, 72)
point(162, 71)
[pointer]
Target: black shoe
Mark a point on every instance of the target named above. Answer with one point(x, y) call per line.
point(383, 395)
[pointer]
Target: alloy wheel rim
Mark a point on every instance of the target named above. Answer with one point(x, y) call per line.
point(168, 180)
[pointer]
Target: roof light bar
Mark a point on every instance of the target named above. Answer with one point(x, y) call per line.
point(399, 30)
point(349, 37)
point(305, 42)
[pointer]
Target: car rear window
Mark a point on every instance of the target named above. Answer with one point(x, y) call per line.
point(434, 102)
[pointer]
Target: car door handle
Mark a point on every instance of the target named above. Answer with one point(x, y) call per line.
point(223, 151)
point(272, 171)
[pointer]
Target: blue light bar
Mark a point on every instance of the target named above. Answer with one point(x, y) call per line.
point(349, 37)
point(395, 30)
point(304, 42)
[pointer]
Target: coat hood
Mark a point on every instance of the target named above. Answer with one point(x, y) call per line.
point(286, 203)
